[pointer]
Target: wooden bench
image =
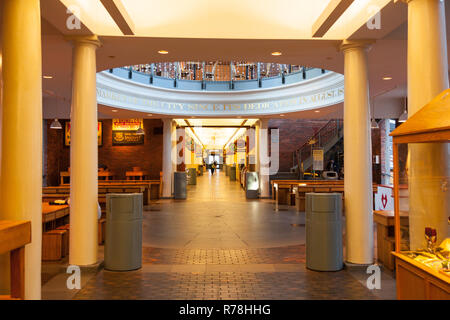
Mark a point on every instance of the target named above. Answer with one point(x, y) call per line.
point(54, 244)
point(56, 193)
point(14, 235)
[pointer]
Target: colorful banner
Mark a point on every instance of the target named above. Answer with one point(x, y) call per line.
point(67, 134)
point(127, 124)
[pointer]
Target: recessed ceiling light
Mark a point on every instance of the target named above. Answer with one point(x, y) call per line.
point(163, 52)
point(149, 115)
point(281, 115)
point(115, 110)
point(276, 53)
point(48, 77)
point(317, 111)
point(387, 78)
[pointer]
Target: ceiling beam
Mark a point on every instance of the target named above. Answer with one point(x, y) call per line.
point(117, 11)
point(329, 16)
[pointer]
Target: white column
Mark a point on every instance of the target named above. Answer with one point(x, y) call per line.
point(263, 150)
point(21, 165)
point(167, 158)
point(429, 204)
point(358, 156)
point(84, 154)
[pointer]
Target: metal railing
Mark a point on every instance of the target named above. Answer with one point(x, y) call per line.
point(152, 79)
point(321, 138)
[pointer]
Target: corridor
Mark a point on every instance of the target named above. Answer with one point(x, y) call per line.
point(218, 245)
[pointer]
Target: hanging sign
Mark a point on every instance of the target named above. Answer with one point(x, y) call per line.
point(317, 159)
point(124, 132)
point(127, 124)
point(384, 199)
point(67, 134)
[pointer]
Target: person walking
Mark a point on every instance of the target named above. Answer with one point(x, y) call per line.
point(213, 167)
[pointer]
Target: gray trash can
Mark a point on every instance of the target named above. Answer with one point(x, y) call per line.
point(123, 241)
point(324, 231)
point(192, 176)
point(252, 185)
point(180, 185)
point(232, 173)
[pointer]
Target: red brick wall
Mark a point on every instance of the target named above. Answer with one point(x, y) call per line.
point(293, 134)
point(118, 159)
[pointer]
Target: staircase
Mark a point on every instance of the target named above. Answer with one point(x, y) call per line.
point(327, 137)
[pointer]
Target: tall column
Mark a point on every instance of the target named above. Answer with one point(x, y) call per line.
point(167, 158)
point(429, 203)
point(84, 154)
point(358, 155)
point(263, 158)
point(21, 165)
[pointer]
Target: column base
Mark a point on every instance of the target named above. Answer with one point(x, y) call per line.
point(356, 266)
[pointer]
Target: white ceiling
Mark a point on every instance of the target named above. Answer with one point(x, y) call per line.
point(386, 58)
point(224, 19)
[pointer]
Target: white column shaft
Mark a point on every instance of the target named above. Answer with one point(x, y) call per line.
point(263, 137)
point(429, 204)
point(21, 165)
point(84, 156)
point(358, 157)
point(167, 158)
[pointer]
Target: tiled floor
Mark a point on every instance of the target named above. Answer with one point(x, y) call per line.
point(218, 245)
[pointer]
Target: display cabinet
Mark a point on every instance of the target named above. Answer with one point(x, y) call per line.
point(422, 256)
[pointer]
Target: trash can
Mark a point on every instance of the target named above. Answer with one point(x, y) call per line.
point(324, 231)
point(226, 170)
point(232, 173)
point(123, 241)
point(192, 176)
point(180, 182)
point(252, 185)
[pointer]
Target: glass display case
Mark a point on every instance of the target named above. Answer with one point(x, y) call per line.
point(422, 248)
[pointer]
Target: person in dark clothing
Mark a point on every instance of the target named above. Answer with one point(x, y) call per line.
point(213, 167)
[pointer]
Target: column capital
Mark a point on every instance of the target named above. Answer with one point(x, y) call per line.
point(356, 44)
point(78, 40)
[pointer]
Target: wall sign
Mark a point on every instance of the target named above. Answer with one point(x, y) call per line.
point(123, 138)
point(124, 132)
point(67, 134)
point(318, 159)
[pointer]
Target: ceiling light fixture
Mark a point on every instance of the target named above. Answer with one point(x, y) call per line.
point(374, 124)
point(276, 53)
point(48, 77)
point(317, 111)
point(404, 116)
point(163, 52)
point(140, 131)
point(114, 111)
point(387, 78)
point(56, 125)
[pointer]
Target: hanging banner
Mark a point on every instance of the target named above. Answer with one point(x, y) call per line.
point(317, 159)
point(67, 134)
point(124, 132)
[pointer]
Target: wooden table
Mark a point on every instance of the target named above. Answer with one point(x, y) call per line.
point(52, 213)
point(136, 175)
point(104, 175)
point(385, 235)
point(14, 235)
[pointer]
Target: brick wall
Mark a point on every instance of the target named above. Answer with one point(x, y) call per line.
point(293, 134)
point(118, 159)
